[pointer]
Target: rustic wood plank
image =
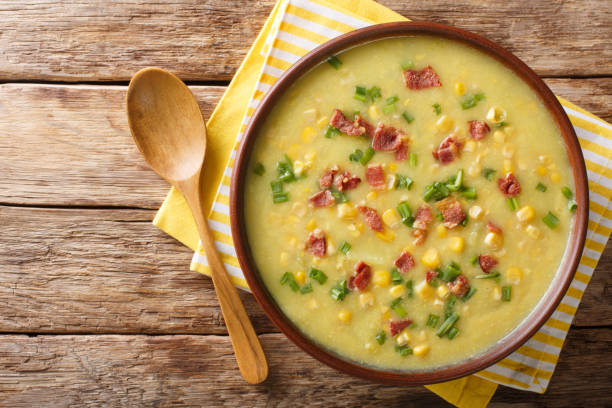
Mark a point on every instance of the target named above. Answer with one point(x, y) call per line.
point(111, 271)
point(79, 151)
point(110, 41)
point(184, 370)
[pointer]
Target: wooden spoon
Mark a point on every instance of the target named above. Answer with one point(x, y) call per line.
point(168, 128)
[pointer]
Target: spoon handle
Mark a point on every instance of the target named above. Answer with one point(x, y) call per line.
point(249, 354)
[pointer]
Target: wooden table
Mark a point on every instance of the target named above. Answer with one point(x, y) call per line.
point(98, 307)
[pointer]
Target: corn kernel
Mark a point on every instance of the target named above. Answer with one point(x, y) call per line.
point(373, 111)
point(310, 115)
point(470, 146)
point(493, 240)
point(360, 226)
point(312, 304)
point(499, 136)
point(525, 214)
point(422, 335)
point(533, 232)
point(293, 242)
point(496, 114)
point(508, 166)
point(456, 244)
point(424, 290)
point(474, 170)
point(331, 247)
point(292, 219)
point(284, 258)
point(298, 167)
point(392, 166)
point(391, 179)
point(307, 134)
point(508, 150)
point(514, 275)
point(346, 211)
point(381, 278)
point(403, 338)
point(387, 235)
point(497, 294)
point(544, 159)
point(298, 208)
point(355, 232)
point(407, 102)
point(386, 315)
point(372, 195)
point(420, 350)
point(442, 291)
point(310, 156)
point(555, 177)
point(390, 217)
point(459, 88)
point(541, 171)
point(441, 231)
point(366, 299)
point(322, 122)
point(475, 212)
point(312, 224)
point(344, 316)
point(397, 291)
point(369, 346)
point(444, 124)
point(431, 258)
point(300, 277)
point(294, 151)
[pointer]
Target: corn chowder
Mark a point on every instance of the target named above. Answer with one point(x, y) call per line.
point(408, 202)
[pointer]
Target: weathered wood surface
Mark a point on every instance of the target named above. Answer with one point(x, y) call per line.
point(187, 370)
point(70, 145)
point(80, 40)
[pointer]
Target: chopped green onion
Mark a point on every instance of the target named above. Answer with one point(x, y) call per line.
point(407, 65)
point(403, 182)
point(344, 247)
point(469, 193)
point(317, 275)
point(339, 291)
point(567, 193)
point(391, 100)
point(450, 303)
point(414, 159)
point(259, 169)
point(432, 320)
point(285, 170)
point(452, 333)
point(469, 294)
point(501, 125)
point(450, 272)
point(448, 323)
point(551, 220)
point(403, 350)
point(331, 131)
point(487, 276)
point(381, 337)
point(409, 289)
point(506, 293)
point(469, 101)
point(434, 282)
point(457, 182)
point(437, 108)
point(361, 93)
point(374, 93)
point(356, 155)
point(488, 173)
point(334, 62)
point(387, 109)
point(571, 205)
point(436, 191)
point(287, 278)
point(395, 302)
point(474, 259)
point(512, 203)
point(403, 209)
point(281, 197)
point(277, 186)
point(541, 187)
point(339, 197)
point(464, 222)
point(407, 117)
point(400, 311)
point(307, 288)
point(367, 156)
point(396, 277)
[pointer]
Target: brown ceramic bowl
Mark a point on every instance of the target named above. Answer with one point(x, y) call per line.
point(558, 286)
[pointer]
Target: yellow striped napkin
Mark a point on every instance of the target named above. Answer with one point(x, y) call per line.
point(294, 28)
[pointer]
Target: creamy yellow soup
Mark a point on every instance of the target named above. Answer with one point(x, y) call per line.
point(481, 263)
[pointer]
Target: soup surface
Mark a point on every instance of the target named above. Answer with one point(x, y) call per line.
point(408, 202)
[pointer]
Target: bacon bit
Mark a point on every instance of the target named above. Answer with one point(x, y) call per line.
point(322, 199)
point(367, 126)
point(419, 236)
point(402, 152)
point(387, 138)
point(509, 186)
point(459, 286)
point(405, 262)
point(425, 78)
point(340, 122)
point(487, 262)
point(346, 181)
point(375, 175)
point(396, 326)
point(451, 211)
point(448, 151)
point(430, 275)
point(316, 243)
point(360, 279)
point(372, 218)
point(478, 129)
point(327, 179)
point(422, 218)
point(494, 228)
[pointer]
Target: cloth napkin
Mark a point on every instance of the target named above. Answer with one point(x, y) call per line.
point(297, 26)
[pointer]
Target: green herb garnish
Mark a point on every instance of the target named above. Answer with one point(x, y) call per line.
point(541, 187)
point(381, 337)
point(403, 182)
point(506, 293)
point(407, 117)
point(551, 220)
point(488, 173)
point(317, 275)
point(367, 156)
point(331, 131)
point(432, 320)
point(334, 62)
point(344, 247)
point(361, 93)
point(469, 101)
point(287, 278)
point(339, 291)
point(436, 107)
point(414, 159)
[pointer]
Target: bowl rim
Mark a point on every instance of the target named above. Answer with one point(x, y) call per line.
point(565, 272)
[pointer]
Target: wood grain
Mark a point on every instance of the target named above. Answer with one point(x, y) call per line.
point(79, 150)
point(110, 370)
point(206, 40)
point(112, 271)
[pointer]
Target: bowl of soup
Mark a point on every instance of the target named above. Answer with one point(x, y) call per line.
point(409, 203)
